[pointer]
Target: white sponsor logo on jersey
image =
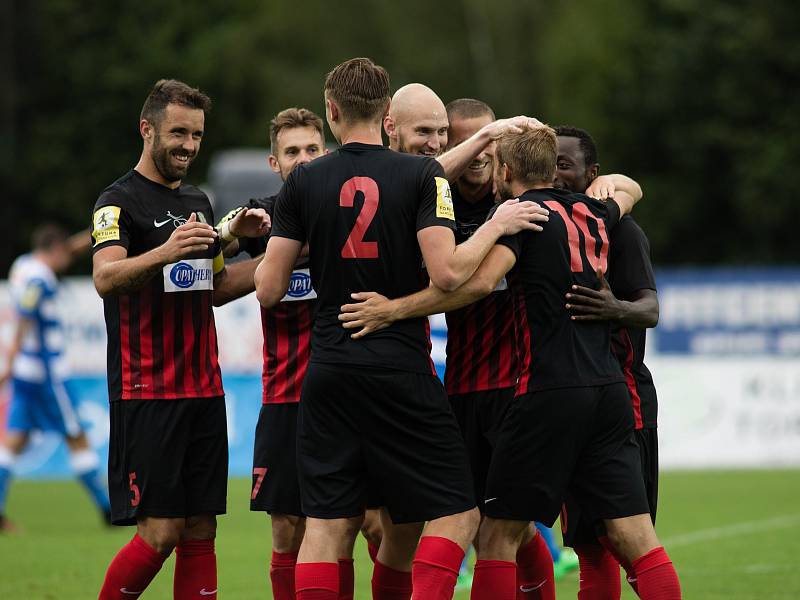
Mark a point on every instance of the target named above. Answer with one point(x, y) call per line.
point(189, 275)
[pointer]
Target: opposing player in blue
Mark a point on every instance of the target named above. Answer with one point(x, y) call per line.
point(36, 365)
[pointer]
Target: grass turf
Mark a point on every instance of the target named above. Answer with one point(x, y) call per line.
point(733, 535)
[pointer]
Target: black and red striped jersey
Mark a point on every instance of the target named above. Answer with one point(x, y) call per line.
point(481, 352)
point(360, 208)
point(554, 351)
point(286, 326)
point(629, 271)
point(162, 342)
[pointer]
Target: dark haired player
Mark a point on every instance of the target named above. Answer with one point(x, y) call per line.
point(158, 268)
point(296, 138)
point(36, 365)
point(628, 298)
point(373, 411)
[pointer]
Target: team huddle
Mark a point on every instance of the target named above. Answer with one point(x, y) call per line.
point(546, 410)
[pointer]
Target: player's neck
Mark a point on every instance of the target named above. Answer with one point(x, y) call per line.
point(361, 133)
point(146, 168)
point(520, 187)
point(474, 193)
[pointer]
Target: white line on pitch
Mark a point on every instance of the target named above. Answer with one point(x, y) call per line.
point(728, 531)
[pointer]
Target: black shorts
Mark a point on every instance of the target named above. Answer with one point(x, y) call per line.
point(365, 431)
point(480, 415)
point(573, 440)
point(167, 458)
point(275, 488)
point(579, 531)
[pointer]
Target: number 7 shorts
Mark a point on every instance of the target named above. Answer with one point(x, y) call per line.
point(167, 458)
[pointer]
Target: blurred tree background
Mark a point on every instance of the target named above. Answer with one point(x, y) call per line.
point(699, 101)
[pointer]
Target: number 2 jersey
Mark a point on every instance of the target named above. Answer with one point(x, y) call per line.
point(360, 209)
point(554, 351)
point(162, 342)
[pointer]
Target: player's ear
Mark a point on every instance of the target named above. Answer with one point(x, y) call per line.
point(506, 173)
point(146, 129)
point(388, 126)
point(594, 171)
point(331, 109)
point(273, 163)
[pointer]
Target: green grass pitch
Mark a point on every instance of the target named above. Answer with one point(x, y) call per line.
point(733, 535)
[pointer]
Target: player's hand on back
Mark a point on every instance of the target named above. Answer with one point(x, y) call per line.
point(515, 216)
point(602, 188)
point(251, 222)
point(587, 304)
point(371, 312)
point(192, 236)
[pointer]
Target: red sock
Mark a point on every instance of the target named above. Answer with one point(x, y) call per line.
point(435, 568)
point(316, 581)
point(656, 577)
point(535, 580)
point(494, 580)
point(390, 584)
point(281, 574)
point(599, 575)
point(347, 579)
point(131, 571)
point(195, 570)
point(373, 551)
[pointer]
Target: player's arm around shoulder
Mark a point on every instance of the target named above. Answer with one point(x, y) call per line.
point(372, 312)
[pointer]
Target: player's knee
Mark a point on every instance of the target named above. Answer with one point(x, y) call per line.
point(200, 527)
point(371, 528)
point(500, 538)
point(287, 532)
point(161, 534)
point(632, 537)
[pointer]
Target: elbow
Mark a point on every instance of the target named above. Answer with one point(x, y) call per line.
point(652, 319)
point(102, 287)
point(446, 280)
point(266, 297)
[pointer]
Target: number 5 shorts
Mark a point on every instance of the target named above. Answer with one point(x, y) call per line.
point(167, 458)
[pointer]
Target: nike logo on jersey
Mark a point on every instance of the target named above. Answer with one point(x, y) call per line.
point(203, 592)
point(177, 221)
point(525, 588)
point(125, 591)
point(489, 500)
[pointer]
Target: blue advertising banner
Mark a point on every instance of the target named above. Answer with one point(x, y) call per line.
point(728, 312)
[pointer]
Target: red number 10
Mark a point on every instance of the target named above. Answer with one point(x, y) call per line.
point(355, 246)
point(580, 212)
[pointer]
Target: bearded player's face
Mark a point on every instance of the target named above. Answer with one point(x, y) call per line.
point(177, 140)
point(479, 171)
point(295, 146)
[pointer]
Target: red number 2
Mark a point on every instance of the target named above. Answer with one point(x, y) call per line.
point(134, 488)
point(355, 246)
point(259, 472)
point(580, 212)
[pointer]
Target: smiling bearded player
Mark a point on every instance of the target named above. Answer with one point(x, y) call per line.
point(158, 268)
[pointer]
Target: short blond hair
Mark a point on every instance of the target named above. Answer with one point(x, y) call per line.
point(530, 154)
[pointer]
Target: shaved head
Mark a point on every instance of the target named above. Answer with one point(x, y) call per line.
point(417, 121)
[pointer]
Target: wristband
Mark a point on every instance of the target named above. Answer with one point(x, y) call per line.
point(225, 232)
